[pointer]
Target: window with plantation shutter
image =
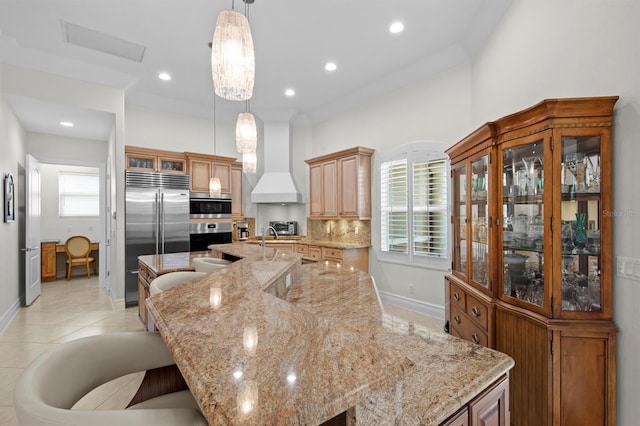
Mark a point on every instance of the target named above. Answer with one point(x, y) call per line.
point(413, 207)
point(79, 194)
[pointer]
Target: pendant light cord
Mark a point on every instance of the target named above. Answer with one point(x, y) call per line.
point(214, 124)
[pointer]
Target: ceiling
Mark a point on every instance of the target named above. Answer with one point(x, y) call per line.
point(293, 40)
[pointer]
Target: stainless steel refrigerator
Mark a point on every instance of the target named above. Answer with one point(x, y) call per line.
point(156, 221)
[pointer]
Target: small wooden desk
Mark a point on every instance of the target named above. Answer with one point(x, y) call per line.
point(49, 257)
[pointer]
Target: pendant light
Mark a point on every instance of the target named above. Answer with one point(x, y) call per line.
point(215, 188)
point(246, 132)
point(249, 162)
point(232, 56)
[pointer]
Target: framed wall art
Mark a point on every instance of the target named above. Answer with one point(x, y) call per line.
point(9, 198)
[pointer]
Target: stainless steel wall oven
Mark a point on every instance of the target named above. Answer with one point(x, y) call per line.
point(202, 235)
point(202, 206)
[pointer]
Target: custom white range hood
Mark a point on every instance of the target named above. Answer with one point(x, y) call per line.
point(276, 184)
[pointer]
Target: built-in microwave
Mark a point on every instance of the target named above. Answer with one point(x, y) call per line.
point(203, 206)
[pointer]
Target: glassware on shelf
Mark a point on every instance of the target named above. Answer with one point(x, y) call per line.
point(580, 235)
point(506, 280)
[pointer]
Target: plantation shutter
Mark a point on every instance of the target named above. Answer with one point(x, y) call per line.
point(393, 199)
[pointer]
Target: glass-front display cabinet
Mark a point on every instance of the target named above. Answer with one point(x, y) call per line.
point(531, 271)
point(551, 230)
point(471, 220)
point(524, 213)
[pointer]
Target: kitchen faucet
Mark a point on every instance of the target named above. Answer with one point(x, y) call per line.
point(265, 231)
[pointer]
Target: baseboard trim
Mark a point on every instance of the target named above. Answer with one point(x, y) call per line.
point(8, 316)
point(415, 305)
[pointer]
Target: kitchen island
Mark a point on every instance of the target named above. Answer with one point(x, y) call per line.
point(267, 340)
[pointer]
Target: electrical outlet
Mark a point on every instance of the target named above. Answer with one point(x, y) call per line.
point(287, 281)
point(411, 288)
point(357, 230)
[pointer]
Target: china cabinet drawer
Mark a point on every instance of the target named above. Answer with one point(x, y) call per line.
point(466, 328)
point(478, 312)
point(458, 297)
point(331, 254)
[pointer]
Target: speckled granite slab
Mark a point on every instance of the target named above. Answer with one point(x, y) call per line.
point(252, 358)
point(329, 331)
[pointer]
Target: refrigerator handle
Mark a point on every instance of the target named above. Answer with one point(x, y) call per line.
point(157, 220)
point(162, 220)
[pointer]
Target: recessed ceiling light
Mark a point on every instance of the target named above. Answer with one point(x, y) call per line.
point(290, 92)
point(331, 66)
point(396, 27)
point(66, 124)
point(165, 76)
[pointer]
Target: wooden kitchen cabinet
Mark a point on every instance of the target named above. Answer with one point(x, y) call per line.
point(532, 255)
point(154, 160)
point(354, 185)
point(203, 167)
point(491, 407)
point(145, 276)
point(323, 195)
point(236, 190)
point(340, 185)
point(48, 267)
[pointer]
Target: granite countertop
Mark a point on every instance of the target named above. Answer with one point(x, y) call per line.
point(173, 262)
point(285, 239)
point(324, 345)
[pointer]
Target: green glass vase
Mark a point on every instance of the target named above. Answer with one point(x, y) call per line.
point(580, 235)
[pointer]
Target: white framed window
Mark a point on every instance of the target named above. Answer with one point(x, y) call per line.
point(78, 194)
point(413, 198)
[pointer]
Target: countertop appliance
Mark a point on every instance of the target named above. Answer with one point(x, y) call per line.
point(156, 221)
point(285, 228)
point(242, 229)
point(202, 234)
point(203, 206)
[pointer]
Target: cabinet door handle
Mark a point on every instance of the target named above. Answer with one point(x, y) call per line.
point(456, 296)
point(474, 338)
point(456, 319)
point(475, 311)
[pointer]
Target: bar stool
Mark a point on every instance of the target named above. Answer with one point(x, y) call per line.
point(166, 281)
point(49, 387)
point(209, 264)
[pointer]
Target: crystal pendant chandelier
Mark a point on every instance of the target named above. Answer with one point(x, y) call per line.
point(232, 56)
point(249, 162)
point(215, 188)
point(246, 133)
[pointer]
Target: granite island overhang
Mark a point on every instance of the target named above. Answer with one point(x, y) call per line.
point(267, 340)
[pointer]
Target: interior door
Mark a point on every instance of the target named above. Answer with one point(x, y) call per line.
point(32, 230)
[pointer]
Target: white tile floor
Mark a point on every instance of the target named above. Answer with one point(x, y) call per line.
point(67, 310)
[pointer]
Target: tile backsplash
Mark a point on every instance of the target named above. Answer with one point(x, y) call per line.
point(342, 230)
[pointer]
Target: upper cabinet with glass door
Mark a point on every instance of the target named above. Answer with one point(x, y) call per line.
point(554, 242)
point(472, 217)
point(584, 218)
point(525, 211)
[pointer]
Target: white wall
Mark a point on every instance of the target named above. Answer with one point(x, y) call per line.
point(12, 143)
